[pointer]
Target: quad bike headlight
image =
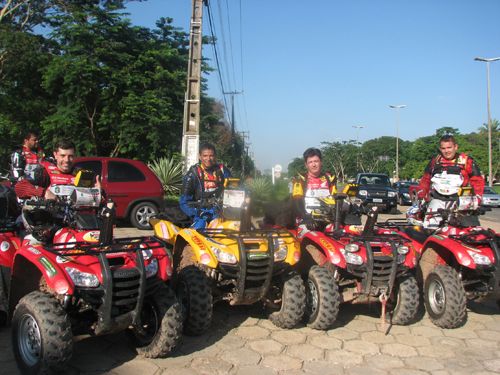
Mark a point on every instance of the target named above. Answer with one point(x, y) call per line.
point(84, 279)
point(363, 193)
point(223, 256)
point(479, 258)
point(352, 258)
point(351, 247)
point(152, 268)
point(280, 250)
point(403, 250)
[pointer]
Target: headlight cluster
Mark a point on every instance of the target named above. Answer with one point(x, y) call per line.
point(83, 279)
point(351, 247)
point(223, 256)
point(348, 252)
point(280, 250)
point(391, 194)
point(403, 250)
point(479, 258)
point(152, 268)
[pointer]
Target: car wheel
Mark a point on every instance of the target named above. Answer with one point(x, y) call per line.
point(139, 217)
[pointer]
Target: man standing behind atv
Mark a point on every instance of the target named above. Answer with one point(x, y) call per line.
point(50, 179)
point(202, 183)
point(307, 189)
point(443, 177)
point(24, 161)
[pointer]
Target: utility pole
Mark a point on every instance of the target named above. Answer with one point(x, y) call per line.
point(191, 122)
point(244, 151)
point(232, 93)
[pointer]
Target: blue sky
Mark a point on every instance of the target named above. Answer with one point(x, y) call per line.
point(311, 70)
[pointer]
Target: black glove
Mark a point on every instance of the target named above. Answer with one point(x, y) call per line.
point(309, 222)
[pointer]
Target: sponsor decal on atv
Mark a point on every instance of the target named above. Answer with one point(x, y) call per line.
point(91, 236)
point(51, 271)
point(199, 242)
point(33, 250)
point(327, 245)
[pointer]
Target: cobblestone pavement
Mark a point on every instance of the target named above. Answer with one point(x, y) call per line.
point(242, 341)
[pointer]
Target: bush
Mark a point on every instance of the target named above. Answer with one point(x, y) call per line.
point(169, 171)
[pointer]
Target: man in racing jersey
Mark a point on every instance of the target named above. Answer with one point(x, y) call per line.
point(307, 189)
point(203, 181)
point(443, 177)
point(24, 161)
point(53, 179)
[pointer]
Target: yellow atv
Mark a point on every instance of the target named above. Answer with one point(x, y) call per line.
point(230, 260)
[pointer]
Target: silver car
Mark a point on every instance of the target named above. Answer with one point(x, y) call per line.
point(490, 197)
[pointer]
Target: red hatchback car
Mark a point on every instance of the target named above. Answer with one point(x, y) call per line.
point(131, 184)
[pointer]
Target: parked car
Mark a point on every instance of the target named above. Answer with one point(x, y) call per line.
point(490, 197)
point(403, 189)
point(131, 184)
point(374, 189)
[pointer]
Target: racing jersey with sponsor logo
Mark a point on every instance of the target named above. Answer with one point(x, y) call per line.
point(24, 162)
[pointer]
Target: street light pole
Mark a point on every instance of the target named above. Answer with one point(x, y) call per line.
point(490, 164)
point(397, 107)
point(357, 127)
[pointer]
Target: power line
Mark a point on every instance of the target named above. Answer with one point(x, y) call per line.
point(210, 21)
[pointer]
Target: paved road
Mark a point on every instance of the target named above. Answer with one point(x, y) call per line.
point(242, 341)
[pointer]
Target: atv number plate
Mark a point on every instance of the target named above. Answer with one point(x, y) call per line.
point(234, 198)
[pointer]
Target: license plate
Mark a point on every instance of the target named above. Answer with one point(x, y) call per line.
point(377, 200)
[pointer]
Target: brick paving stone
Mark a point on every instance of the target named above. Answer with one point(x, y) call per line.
point(250, 321)
point(231, 342)
point(461, 363)
point(426, 331)
point(406, 371)
point(488, 335)
point(267, 346)
point(413, 340)
point(493, 325)
point(210, 366)
point(492, 365)
point(321, 367)
point(253, 370)
point(361, 347)
point(305, 352)
point(282, 363)
point(398, 350)
point(365, 370)
point(309, 331)
point(461, 333)
point(175, 371)
point(384, 362)
point(343, 334)
point(361, 326)
point(481, 343)
point(289, 337)
point(325, 342)
point(241, 357)
point(137, 366)
point(395, 330)
point(436, 351)
point(344, 358)
point(252, 333)
point(267, 324)
point(424, 363)
point(377, 337)
point(448, 342)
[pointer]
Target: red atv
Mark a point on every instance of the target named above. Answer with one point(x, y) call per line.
point(69, 276)
point(460, 260)
point(345, 262)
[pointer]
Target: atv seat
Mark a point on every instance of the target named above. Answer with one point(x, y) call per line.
point(175, 215)
point(418, 235)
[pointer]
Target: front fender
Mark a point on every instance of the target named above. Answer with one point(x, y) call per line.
point(9, 244)
point(164, 229)
point(447, 247)
point(330, 248)
point(200, 246)
point(55, 276)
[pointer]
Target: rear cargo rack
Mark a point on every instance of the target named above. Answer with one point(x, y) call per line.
point(119, 245)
